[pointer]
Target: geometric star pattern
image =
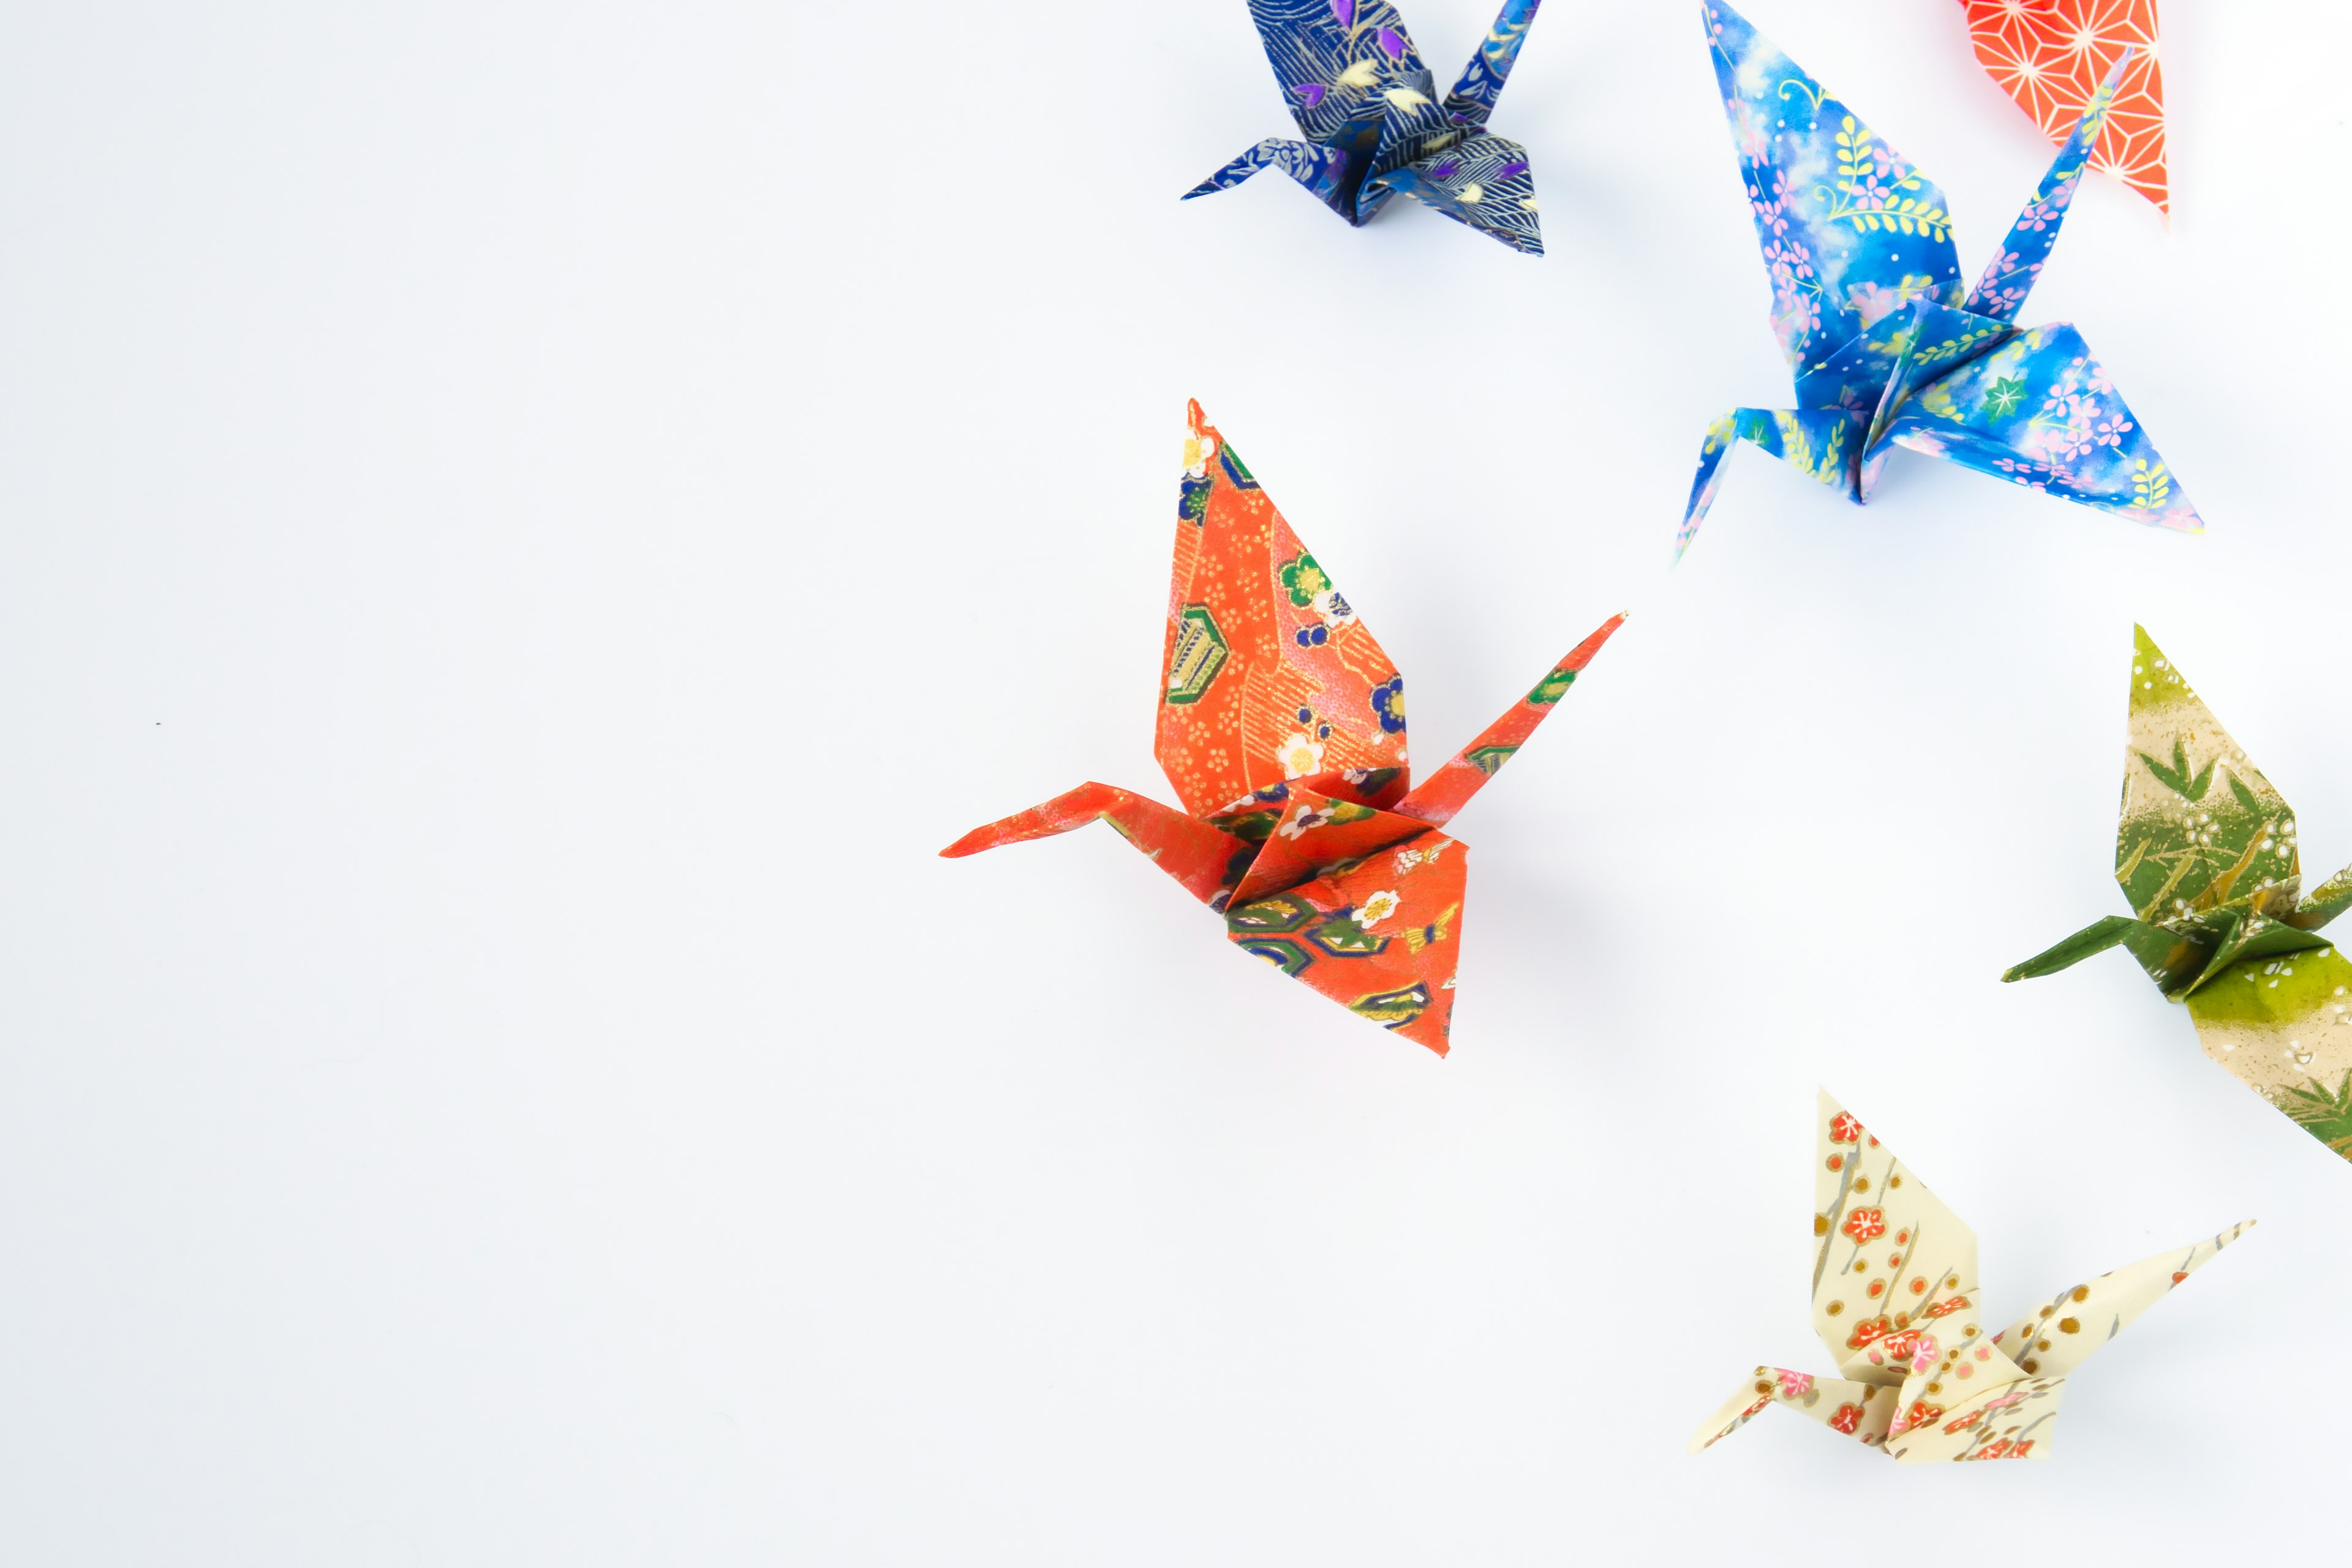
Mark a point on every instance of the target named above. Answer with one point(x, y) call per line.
point(2052, 54)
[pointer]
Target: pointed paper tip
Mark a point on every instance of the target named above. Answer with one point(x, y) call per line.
point(971, 842)
point(1694, 514)
point(2221, 1240)
point(1581, 654)
point(1193, 417)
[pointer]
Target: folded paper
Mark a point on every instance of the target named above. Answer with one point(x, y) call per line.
point(1374, 124)
point(1282, 725)
point(2051, 57)
point(1886, 346)
point(2206, 857)
point(1897, 1299)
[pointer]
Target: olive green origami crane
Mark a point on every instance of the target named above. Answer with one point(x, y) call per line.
point(2206, 854)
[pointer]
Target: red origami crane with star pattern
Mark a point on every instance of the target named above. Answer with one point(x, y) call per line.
point(2052, 54)
point(1281, 726)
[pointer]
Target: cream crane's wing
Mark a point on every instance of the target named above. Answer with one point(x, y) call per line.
point(2065, 1331)
point(1891, 1263)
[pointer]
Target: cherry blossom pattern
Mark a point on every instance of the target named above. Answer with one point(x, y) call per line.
point(1887, 343)
point(1894, 1297)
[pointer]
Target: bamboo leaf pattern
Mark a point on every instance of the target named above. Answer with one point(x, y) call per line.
point(2324, 1113)
point(2177, 778)
point(2213, 878)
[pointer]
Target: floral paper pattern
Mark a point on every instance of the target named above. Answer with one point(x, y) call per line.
point(1281, 723)
point(1897, 1301)
point(1886, 344)
point(2206, 854)
point(1374, 125)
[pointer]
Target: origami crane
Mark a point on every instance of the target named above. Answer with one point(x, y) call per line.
point(1373, 123)
point(1281, 723)
point(2206, 857)
point(2052, 54)
point(1885, 348)
point(1896, 1301)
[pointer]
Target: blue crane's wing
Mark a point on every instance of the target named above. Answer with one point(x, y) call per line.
point(2032, 406)
point(1849, 228)
point(2001, 292)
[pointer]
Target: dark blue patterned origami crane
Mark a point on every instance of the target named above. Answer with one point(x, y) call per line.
point(1373, 123)
point(1887, 348)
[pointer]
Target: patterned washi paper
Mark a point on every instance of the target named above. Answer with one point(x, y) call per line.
point(2206, 855)
point(1281, 723)
point(2051, 57)
point(1373, 125)
point(1887, 344)
point(1898, 1302)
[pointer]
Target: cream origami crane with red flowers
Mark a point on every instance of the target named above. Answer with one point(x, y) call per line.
point(2050, 55)
point(1281, 723)
point(1895, 1299)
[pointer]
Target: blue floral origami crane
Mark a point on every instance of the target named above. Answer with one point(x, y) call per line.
point(1373, 123)
point(1885, 348)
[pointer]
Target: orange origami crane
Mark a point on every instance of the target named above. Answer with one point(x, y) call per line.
point(1282, 727)
point(2052, 54)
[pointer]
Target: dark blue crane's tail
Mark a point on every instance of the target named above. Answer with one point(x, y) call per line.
point(1321, 170)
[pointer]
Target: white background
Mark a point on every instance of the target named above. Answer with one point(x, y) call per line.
point(525, 526)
